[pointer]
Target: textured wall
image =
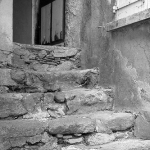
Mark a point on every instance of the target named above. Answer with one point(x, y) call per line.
point(82, 20)
point(5, 29)
point(131, 51)
point(73, 21)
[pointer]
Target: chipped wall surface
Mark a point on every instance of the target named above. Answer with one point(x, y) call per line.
point(122, 56)
point(131, 49)
point(5, 24)
point(82, 20)
point(73, 12)
point(5, 30)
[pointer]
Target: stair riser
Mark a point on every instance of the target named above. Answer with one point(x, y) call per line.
point(17, 133)
point(43, 58)
point(42, 82)
point(53, 105)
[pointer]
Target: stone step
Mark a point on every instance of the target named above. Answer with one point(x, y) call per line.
point(129, 144)
point(55, 105)
point(82, 101)
point(48, 81)
point(100, 122)
point(45, 58)
point(21, 132)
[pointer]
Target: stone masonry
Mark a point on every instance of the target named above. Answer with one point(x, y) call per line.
point(47, 102)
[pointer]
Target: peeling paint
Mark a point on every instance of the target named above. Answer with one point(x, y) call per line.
point(129, 69)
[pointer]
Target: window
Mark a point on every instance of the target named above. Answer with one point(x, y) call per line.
point(124, 8)
point(52, 21)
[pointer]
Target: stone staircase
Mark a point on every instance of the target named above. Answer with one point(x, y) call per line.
point(47, 102)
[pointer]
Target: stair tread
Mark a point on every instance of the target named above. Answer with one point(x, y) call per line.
point(64, 79)
point(68, 125)
point(128, 144)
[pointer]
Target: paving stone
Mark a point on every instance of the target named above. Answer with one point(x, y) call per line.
point(71, 125)
point(99, 139)
point(131, 144)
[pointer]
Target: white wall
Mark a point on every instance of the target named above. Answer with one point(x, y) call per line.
point(6, 23)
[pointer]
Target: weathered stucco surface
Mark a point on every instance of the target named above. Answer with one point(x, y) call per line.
point(82, 20)
point(5, 29)
point(5, 23)
point(73, 12)
point(131, 48)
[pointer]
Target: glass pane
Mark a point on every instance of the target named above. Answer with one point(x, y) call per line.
point(57, 20)
point(45, 24)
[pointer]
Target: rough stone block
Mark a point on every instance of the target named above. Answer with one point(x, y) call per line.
point(142, 128)
point(82, 101)
point(11, 106)
point(21, 128)
point(5, 78)
point(99, 139)
point(109, 121)
point(71, 125)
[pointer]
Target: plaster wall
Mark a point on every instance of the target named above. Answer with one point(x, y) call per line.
point(82, 20)
point(6, 24)
point(131, 55)
point(6, 31)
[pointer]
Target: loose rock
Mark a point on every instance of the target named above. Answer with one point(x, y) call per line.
point(59, 97)
point(99, 139)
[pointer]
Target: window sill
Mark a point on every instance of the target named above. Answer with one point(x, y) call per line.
point(143, 15)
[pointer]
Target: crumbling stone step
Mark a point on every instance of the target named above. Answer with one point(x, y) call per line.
point(99, 122)
point(43, 58)
point(129, 144)
point(48, 81)
point(55, 105)
point(82, 101)
point(20, 132)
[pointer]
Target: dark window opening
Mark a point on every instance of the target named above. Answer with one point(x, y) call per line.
point(52, 22)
